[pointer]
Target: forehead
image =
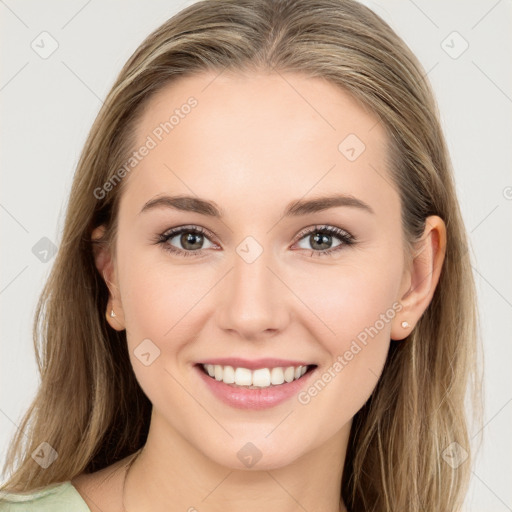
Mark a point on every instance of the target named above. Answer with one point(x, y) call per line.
point(250, 138)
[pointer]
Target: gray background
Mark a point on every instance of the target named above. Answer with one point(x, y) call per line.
point(48, 105)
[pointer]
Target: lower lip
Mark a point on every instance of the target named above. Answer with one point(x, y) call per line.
point(244, 398)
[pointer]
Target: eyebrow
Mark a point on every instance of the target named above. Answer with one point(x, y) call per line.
point(294, 209)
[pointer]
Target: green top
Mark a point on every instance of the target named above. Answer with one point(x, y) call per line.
point(61, 497)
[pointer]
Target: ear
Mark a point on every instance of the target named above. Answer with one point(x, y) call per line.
point(420, 281)
point(106, 267)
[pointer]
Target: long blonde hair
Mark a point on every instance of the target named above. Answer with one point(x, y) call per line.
point(89, 406)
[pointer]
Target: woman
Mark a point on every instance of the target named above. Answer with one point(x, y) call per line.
point(263, 295)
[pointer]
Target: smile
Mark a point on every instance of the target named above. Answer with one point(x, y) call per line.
point(255, 379)
point(256, 389)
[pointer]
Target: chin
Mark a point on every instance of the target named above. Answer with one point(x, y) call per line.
point(257, 455)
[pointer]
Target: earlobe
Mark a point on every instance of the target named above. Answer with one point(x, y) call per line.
point(105, 266)
point(424, 276)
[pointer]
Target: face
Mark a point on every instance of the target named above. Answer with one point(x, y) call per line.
point(264, 278)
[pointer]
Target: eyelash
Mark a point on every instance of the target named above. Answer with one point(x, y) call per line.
point(346, 238)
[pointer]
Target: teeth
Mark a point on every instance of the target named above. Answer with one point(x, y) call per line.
point(277, 376)
point(228, 375)
point(260, 378)
point(289, 374)
point(243, 376)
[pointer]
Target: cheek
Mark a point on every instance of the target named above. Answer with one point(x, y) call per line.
point(344, 301)
point(356, 307)
point(158, 304)
point(163, 301)
point(142, 285)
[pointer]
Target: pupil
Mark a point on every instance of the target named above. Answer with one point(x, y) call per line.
point(188, 238)
point(321, 238)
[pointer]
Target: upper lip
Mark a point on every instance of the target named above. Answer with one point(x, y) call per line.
point(254, 364)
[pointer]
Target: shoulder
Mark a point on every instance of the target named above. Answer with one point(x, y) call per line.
point(61, 497)
point(88, 492)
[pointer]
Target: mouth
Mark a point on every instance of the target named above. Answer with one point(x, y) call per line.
point(259, 378)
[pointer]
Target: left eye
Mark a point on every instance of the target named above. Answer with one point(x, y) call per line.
point(191, 239)
point(323, 235)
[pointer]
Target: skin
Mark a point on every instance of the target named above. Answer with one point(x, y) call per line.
point(253, 144)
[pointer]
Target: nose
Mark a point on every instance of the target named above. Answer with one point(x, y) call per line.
point(253, 300)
